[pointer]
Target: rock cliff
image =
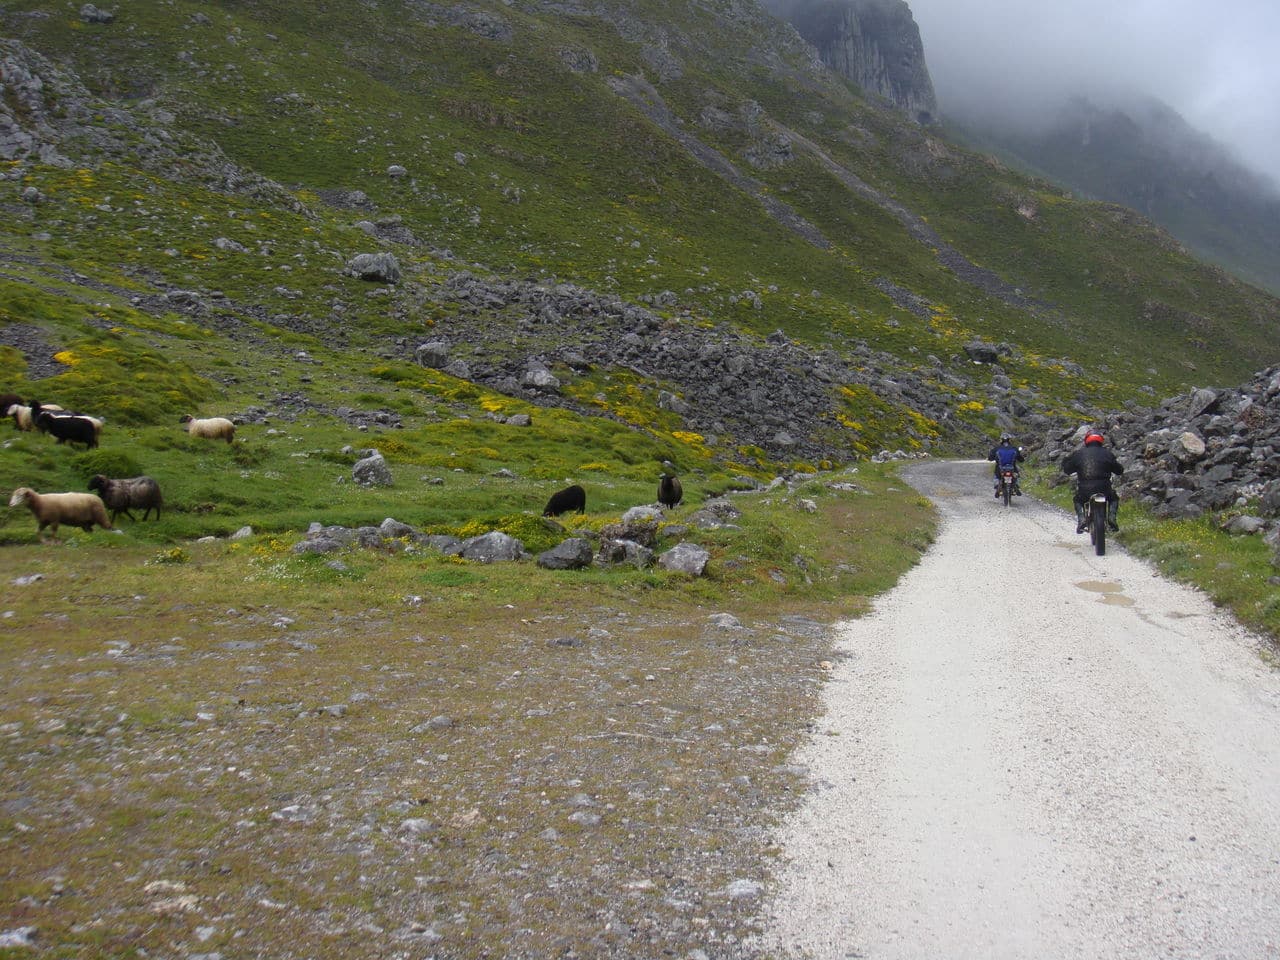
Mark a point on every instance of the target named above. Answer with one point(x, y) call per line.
point(875, 44)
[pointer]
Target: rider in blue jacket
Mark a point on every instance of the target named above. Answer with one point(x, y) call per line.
point(1007, 457)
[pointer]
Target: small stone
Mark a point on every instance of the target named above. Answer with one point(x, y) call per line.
point(743, 890)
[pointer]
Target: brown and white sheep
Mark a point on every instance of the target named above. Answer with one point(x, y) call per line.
point(212, 428)
point(121, 496)
point(51, 509)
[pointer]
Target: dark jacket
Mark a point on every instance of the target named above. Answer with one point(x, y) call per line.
point(1093, 466)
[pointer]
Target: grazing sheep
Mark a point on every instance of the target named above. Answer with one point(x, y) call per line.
point(562, 501)
point(8, 400)
point(21, 416)
point(213, 428)
point(70, 428)
point(26, 417)
point(670, 493)
point(138, 493)
point(74, 509)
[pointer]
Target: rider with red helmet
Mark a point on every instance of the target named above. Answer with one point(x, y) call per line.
point(1093, 464)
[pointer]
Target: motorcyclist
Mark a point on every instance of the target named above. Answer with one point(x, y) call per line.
point(1007, 457)
point(1093, 464)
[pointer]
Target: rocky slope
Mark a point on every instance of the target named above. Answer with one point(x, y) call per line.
point(1207, 451)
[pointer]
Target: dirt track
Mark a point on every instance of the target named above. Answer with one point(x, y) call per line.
point(1032, 751)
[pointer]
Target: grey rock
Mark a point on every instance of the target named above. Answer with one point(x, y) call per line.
point(744, 890)
point(540, 379)
point(1245, 525)
point(372, 471)
point(395, 529)
point(1187, 447)
point(685, 558)
point(981, 352)
point(433, 353)
point(375, 267)
point(635, 514)
point(725, 621)
point(91, 14)
point(19, 937)
point(491, 547)
point(574, 553)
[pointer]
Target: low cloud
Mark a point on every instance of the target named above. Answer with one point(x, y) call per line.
point(1214, 64)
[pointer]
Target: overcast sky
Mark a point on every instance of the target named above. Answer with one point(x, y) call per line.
point(1216, 63)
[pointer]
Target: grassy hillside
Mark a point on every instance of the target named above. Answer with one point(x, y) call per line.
point(522, 164)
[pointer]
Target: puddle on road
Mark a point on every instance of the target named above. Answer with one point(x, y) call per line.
point(1111, 592)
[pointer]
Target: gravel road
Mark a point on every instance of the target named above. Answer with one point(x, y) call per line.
point(1034, 752)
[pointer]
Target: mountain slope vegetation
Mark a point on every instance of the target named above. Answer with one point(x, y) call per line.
point(691, 157)
point(1147, 157)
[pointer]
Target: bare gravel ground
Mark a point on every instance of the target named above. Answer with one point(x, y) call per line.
point(1032, 751)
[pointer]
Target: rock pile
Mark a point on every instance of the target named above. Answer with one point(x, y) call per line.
point(772, 393)
point(1206, 451)
point(626, 542)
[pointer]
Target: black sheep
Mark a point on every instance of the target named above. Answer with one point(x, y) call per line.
point(72, 429)
point(562, 501)
point(670, 493)
point(119, 496)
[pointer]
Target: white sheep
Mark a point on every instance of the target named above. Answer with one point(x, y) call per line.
point(21, 414)
point(74, 509)
point(213, 428)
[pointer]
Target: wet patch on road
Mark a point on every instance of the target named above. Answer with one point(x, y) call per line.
point(1111, 593)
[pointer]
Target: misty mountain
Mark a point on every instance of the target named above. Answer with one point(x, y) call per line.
point(1143, 154)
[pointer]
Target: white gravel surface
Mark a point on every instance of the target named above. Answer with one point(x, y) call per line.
point(1034, 752)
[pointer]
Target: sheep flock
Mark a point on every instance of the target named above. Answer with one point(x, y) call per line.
point(124, 495)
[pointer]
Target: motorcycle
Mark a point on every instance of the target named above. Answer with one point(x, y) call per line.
point(1096, 522)
point(1008, 484)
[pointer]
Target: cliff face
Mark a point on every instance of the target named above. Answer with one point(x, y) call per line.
point(875, 44)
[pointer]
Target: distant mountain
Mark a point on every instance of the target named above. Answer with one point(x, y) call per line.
point(1144, 155)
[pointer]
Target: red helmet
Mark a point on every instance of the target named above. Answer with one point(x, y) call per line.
point(1094, 438)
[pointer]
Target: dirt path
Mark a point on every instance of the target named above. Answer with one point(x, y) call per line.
point(1035, 752)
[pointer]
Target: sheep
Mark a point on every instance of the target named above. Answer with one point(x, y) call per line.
point(21, 416)
point(8, 400)
point(140, 493)
point(670, 493)
point(71, 428)
point(562, 501)
point(213, 428)
point(74, 509)
point(25, 417)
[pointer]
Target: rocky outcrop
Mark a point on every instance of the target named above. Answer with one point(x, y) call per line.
point(48, 115)
point(874, 44)
point(771, 392)
point(1206, 451)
